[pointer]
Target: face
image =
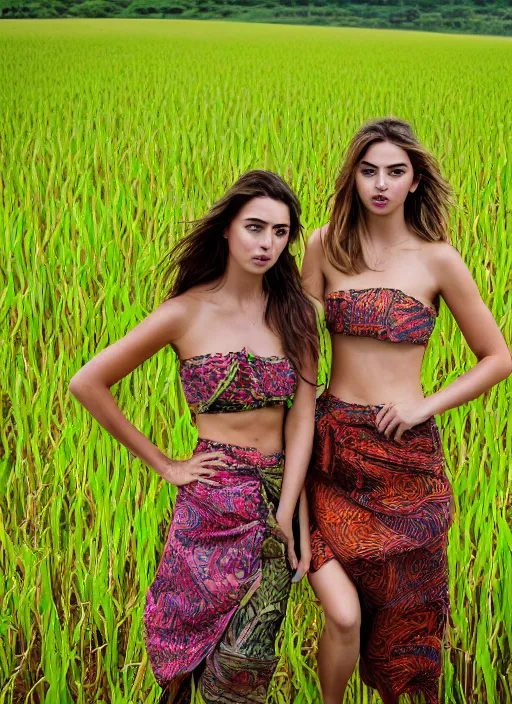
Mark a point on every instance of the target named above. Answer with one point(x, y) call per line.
point(384, 178)
point(258, 234)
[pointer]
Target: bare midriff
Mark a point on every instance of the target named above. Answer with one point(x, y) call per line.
point(373, 372)
point(261, 428)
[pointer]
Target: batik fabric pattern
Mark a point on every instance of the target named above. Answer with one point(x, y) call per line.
point(236, 381)
point(220, 594)
point(383, 509)
point(382, 313)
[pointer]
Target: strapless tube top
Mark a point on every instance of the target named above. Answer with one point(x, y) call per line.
point(236, 381)
point(382, 313)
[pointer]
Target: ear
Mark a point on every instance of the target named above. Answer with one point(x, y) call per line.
point(415, 184)
point(225, 234)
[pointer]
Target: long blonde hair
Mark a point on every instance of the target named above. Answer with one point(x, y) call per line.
point(426, 210)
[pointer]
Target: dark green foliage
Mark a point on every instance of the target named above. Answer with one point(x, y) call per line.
point(468, 16)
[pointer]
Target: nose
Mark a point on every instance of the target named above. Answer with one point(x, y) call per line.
point(381, 181)
point(266, 240)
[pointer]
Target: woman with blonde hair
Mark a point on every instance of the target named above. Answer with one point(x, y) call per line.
point(379, 497)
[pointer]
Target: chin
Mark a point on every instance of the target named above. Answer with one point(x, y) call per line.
point(255, 269)
point(378, 211)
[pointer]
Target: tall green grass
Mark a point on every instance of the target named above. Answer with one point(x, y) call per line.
point(112, 133)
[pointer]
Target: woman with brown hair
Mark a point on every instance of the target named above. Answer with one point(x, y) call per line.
point(379, 498)
point(246, 337)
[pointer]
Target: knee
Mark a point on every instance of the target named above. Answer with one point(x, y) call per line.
point(344, 622)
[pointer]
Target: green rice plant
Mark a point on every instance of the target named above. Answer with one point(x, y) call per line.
point(112, 134)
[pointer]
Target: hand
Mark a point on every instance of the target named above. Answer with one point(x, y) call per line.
point(305, 553)
point(401, 416)
point(284, 527)
point(197, 468)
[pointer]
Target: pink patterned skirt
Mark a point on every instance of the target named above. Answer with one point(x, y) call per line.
point(220, 593)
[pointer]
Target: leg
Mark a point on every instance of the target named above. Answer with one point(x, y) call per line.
point(339, 644)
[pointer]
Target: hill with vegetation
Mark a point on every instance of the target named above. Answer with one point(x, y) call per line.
point(466, 16)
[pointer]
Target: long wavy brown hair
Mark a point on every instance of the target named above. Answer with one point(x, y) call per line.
point(201, 257)
point(426, 210)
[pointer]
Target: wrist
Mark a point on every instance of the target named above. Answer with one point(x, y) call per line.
point(283, 515)
point(430, 406)
point(162, 465)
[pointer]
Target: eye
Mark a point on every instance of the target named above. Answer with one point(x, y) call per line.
point(368, 172)
point(282, 232)
point(253, 227)
point(398, 172)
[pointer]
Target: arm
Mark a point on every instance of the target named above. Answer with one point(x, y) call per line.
point(480, 331)
point(91, 387)
point(300, 425)
point(300, 421)
point(305, 538)
point(298, 435)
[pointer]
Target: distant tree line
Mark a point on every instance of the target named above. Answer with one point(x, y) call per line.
point(467, 16)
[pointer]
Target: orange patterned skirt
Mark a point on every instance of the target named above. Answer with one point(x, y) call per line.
point(383, 509)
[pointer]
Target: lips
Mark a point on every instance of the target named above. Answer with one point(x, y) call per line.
point(379, 201)
point(263, 259)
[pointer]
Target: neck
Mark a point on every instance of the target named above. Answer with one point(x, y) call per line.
point(387, 230)
point(242, 287)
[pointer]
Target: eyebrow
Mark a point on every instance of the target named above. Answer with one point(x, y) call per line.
point(391, 166)
point(264, 222)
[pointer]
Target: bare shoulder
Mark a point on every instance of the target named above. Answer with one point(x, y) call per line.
point(205, 294)
point(316, 239)
point(441, 254)
point(442, 260)
point(176, 313)
point(315, 247)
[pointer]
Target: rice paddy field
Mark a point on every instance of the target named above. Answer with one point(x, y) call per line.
point(112, 133)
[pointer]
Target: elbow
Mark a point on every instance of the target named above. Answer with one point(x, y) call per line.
point(75, 385)
point(499, 365)
point(503, 366)
point(79, 385)
point(507, 366)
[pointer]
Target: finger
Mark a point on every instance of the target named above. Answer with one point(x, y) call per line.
point(381, 413)
point(211, 455)
point(208, 481)
point(401, 430)
point(299, 574)
point(392, 425)
point(213, 463)
point(385, 418)
point(214, 458)
point(385, 408)
point(203, 472)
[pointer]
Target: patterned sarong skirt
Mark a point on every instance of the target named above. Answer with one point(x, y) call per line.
point(220, 593)
point(382, 509)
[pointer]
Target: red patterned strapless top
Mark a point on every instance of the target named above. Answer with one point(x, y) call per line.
point(382, 313)
point(236, 381)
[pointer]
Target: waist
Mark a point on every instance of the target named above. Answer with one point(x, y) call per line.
point(373, 372)
point(260, 428)
point(365, 414)
point(240, 455)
